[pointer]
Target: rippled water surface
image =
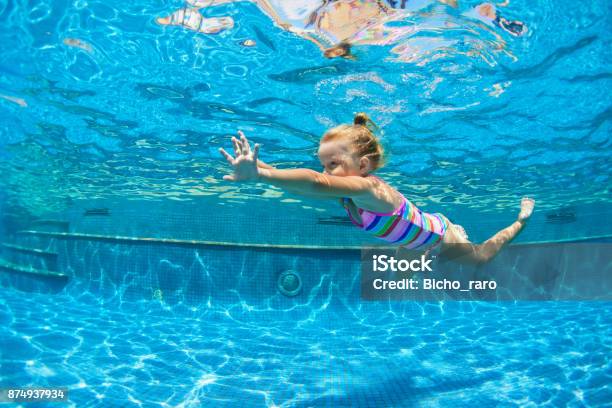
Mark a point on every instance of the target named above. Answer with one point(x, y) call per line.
point(100, 101)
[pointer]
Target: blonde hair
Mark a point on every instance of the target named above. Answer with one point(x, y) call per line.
point(361, 136)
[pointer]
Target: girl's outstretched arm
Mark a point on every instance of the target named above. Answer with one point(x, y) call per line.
point(264, 165)
point(301, 181)
point(313, 183)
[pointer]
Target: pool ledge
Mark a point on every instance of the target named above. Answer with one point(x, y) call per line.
point(196, 243)
point(11, 267)
point(27, 250)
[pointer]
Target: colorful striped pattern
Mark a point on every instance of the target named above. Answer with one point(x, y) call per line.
point(407, 226)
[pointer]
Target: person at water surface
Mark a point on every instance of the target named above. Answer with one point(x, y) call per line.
point(335, 26)
point(349, 155)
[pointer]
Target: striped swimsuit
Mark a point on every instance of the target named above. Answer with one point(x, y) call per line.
point(407, 226)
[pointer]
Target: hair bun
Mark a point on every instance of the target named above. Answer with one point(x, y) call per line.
point(361, 119)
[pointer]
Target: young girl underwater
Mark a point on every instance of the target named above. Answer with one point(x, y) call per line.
point(349, 155)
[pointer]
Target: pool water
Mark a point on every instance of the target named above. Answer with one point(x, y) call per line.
point(111, 353)
point(131, 274)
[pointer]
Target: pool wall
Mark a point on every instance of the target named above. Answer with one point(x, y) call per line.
point(202, 274)
point(289, 221)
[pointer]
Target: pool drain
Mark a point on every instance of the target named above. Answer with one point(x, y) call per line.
point(289, 283)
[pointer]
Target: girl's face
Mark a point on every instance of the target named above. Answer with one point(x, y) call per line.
point(338, 158)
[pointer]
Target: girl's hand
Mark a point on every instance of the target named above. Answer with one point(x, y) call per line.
point(245, 162)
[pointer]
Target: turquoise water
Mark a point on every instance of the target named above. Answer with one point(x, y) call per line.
point(103, 109)
point(454, 355)
point(472, 117)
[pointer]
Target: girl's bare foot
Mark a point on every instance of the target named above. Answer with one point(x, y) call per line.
point(527, 205)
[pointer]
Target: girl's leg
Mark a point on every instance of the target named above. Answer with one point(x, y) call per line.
point(457, 247)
